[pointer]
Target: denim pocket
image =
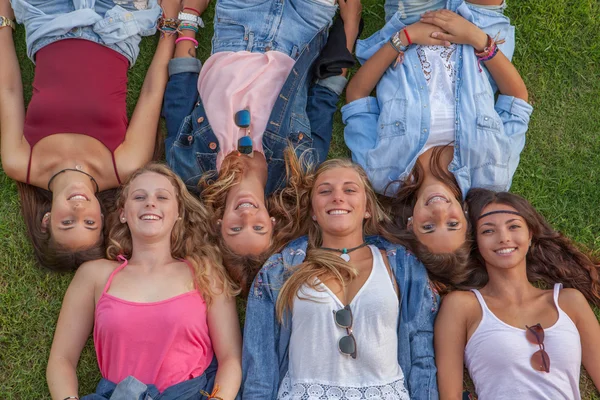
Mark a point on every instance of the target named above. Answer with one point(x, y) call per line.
point(230, 32)
point(393, 122)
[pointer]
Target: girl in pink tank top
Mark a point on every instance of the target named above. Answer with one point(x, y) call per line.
point(161, 306)
point(519, 341)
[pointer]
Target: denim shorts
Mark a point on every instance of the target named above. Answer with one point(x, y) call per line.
point(411, 10)
point(259, 26)
point(119, 27)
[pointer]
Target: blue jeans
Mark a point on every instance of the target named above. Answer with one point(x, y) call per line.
point(410, 10)
point(101, 21)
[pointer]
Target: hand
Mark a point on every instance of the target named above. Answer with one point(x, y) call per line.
point(170, 8)
point(421, 33)
point(455, 29)
point(350, 12)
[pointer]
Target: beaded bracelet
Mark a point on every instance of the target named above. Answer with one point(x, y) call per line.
point(488, 52)
point(182, 38)
point(190, 26)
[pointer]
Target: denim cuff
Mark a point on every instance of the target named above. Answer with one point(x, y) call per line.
point(515, 106)
point(184, 64)
point(334, 83)
point(365, 105)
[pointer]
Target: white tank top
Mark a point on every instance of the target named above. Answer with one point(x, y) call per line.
point(498, 359)
point(318, 370)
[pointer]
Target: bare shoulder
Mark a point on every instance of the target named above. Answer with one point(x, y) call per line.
point(95, 272)
point(573, 302)
point(460, 300)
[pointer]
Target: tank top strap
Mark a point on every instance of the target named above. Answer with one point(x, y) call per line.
point(481, 301)
point(192, 270)
point(557, 288)
point(378, 261)
point(112, 275)
point(29, 165)
point(112, 153)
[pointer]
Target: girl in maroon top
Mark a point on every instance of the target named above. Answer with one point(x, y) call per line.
point(75, 145)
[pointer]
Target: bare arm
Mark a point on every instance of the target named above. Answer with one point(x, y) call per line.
point(450, 339)
point(224, 330)
point(74, 326)
point(578, 309)
point(138, 147)
point(14, 150)
point(459, 30)
point(365, 80)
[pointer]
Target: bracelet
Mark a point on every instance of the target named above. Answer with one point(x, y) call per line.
point(488, 52)
point(182, 38)
point(407, 37)
point(192, 9)
point(5, 21)
point(71, 397)
point(167, 26)
point(190, 26)
point(212, 395)
point(396, 43)
point(191, 18)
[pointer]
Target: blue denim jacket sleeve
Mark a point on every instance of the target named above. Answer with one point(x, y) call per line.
point(360, 117)
point(515, 114)
point(180, 96)
point(260, 361)
point(320, 109)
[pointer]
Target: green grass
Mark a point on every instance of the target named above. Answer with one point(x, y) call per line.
point(558, 54)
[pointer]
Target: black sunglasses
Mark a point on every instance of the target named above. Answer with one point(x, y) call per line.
point(343, 319)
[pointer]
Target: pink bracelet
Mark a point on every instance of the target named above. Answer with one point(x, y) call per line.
point(179, 39)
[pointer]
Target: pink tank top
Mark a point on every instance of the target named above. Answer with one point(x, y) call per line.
point(161, 343)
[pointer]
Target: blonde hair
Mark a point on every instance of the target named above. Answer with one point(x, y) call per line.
point(322, 264)
point(189, 237)
point(286, 205)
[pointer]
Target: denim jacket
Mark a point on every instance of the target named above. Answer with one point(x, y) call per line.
point(387, 133)
point(266, 341)
point(298, 119)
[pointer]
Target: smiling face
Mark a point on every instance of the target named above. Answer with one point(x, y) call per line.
point(438, 219)
point(503, 238)
point(151, 207)
point(246, 226)
point(339, 202)
point(75, 219)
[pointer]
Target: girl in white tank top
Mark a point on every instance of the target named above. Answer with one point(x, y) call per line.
point(519, 341)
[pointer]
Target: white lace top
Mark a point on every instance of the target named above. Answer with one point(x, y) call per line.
point(438, 66)
point(318, 370)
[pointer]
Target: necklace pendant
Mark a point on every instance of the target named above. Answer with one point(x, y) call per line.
point(345, 257)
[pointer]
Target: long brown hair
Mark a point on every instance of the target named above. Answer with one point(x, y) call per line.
point(445, 269)
point(552, 257)
point(284, 205)
point(189, 237)
point(35, 202)
point(321, 264)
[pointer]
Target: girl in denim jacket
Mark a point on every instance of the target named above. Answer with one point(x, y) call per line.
point(338, 314)
point(230, 120)
point(435, 130)
point(516, 339)
point(161, 306)
point(74, 145)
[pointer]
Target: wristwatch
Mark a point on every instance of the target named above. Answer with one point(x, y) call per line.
point(6, 22)
point(187, 17)
point(396, 43)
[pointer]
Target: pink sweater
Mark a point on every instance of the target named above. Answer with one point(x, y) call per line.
point(161, 343)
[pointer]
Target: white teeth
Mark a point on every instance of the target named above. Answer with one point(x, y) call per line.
point(506, 251)
point(78, 197)
point(337, 212)
point(437, 199)
point(246, 205)
point(150, 217)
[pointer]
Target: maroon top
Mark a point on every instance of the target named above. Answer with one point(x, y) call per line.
point(79, 87)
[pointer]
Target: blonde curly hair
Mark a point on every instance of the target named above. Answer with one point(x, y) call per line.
point(189, 237)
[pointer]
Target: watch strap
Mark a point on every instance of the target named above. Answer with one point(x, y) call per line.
point(183, 16)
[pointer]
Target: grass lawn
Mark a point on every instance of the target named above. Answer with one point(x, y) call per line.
point(558, 55)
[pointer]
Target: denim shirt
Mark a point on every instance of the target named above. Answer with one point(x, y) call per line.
point(300, 118)
point(100, 21)
point(387, 133)
point(266, 341)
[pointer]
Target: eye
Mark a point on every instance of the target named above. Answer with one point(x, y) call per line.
point(89, 222)
point(350, 190)
point(236, 229)
point(139, 197)
point(163, 198)
point(514, 226)
point(428, 227)
point(258, 228)
point(487, 231)
point(453, 224)
point(325, 191)
point(67, 222)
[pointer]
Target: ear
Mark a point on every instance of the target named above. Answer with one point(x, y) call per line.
point(367, 215)
point(409, 224)
point(273, 221)
point(45, 222)
point(122, 216)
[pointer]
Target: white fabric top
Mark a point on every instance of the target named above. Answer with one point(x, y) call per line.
point(438, 64)
point(318, 370)
point(498, 359)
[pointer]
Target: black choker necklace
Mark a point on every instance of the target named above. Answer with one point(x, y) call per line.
point(345, 252)
point(74, 170)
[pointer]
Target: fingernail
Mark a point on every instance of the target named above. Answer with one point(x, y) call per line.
point(434, 34)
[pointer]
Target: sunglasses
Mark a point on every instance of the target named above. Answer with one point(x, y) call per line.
point(540, 361)
point(343, 319)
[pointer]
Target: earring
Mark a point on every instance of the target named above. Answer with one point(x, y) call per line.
point(273, 220)
point(367, 215)
point(46, 216)
point(179, 218)
point(409, 219)
point(219, 222)
point(314, 217)
point(123, 220)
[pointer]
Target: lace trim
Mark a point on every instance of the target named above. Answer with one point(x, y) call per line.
point(316, 391)
point(445, 55)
